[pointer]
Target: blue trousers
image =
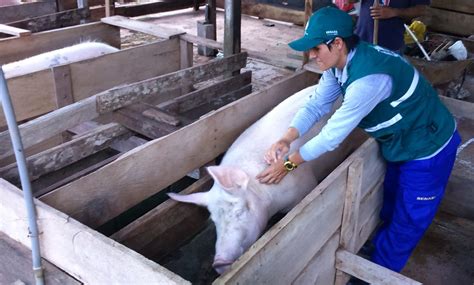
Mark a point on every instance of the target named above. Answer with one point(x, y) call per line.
point(412, 194)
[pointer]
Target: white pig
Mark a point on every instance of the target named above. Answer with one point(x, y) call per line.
point(239, 205)
point(57, 57)
point(9, 2)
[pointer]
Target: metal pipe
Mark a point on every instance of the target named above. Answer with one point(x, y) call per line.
point(24, 177)
point(417, 42)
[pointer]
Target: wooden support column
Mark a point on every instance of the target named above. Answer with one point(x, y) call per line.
point(232, 27)
point(308, 10)
point(350, 216)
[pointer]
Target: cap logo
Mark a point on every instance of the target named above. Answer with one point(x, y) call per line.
point(332, 33)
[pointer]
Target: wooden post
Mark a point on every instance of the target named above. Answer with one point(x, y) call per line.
point(82, 4)
point(308, 10)
point(350, 216)
point(107, 8)
point(375, 39)
point(232, 27)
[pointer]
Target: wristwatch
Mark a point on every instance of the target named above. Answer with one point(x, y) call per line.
point(288, 164)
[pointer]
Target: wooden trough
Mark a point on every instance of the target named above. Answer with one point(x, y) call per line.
point(334, 228)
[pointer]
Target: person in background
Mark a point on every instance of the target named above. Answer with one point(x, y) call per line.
point(388, 98)
point(391, 15)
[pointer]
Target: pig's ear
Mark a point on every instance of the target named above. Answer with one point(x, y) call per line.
point(229, 178)
point(200, 198)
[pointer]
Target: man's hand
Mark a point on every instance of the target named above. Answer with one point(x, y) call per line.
point(277, 151)
point(383, 12)
point(273, 174)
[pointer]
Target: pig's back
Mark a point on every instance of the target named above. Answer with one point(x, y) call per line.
point(57, 57)
point(248, 150)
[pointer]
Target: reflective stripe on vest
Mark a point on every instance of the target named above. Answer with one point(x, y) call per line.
point(409, 92)
point(397, 117)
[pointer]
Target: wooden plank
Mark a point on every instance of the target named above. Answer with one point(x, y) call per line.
point(275, 13)
point(39, 129)
point(62, 85)
point(369, 215)
point(81, 252)
point(40, 192)
point(132, 118)
point(122, 96)
point(129, 184)
point(369, 271)
point(202, 96)
point(10, 30)
point(319, 214)
point(14, 49)
point(124, 67)
point(320, 270)
point(16, 265)
point(66, 154)
point(31, 95)
point(34, 94)
point(186, 54)
point(450, 22)
point(464, 6)
point(154, 7)
point(202, 41)
point(26, 10)
point(72, 4)
point(161, 116)
point(459, 108)
point(143, 27)
point(166, 227)
point(53, 21)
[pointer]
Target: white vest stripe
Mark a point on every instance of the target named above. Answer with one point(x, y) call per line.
point(385, 124)
point(409, 92)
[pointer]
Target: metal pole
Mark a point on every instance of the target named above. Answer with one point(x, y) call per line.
point(24, 177)
point(232, 27)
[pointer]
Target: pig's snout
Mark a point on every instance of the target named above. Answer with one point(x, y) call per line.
point(221, 265)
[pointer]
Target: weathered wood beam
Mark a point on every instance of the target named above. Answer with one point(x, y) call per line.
point(26, 10)
point(157, 7)
point(143, 27)
point(53, 21)
point(161, 116)
point(167, 226)
point(39, 129)
point(119, 97)
point(350, 215)
point(449, 22)
point(463, 6)
point(11, 30)
point(132, 117)
point(253, 8)
point(202, 96)
point(369, 271)
point(67, 153)
point(202, 41)
point(80, 251)
point(42, 191)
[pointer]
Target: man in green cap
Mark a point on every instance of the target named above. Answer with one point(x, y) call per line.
point(392, 102)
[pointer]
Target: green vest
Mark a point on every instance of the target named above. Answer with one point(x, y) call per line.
point(412, 122)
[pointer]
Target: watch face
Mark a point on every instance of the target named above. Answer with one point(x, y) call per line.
point(288, 165)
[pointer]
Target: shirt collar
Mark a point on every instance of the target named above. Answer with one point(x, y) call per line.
point(341, 75)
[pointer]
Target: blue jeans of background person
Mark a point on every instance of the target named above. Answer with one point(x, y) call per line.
point(412, 193)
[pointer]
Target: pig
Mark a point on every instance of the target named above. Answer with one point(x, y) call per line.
point(57, 57)
point(9, 2)
point(239, 205)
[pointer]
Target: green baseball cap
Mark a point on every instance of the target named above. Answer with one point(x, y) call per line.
point(324, 25)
